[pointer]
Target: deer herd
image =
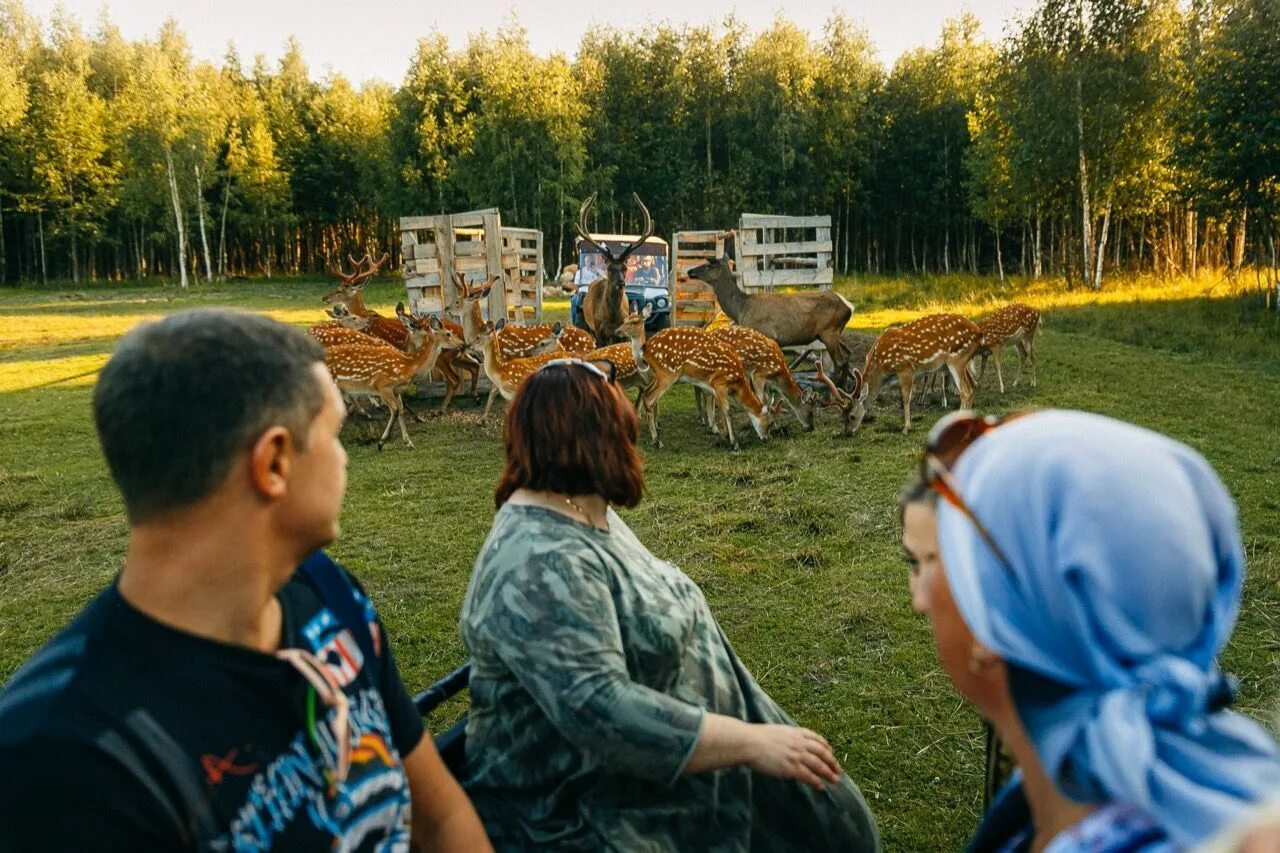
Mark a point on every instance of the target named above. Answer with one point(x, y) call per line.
point(372, 356)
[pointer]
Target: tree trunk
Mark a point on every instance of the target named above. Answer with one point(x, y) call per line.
point(1238, 233)
point(1037, 262)
point(4, 261)
point(75, 267)
point(204, 236)
point(999, 258)
point(1102, 247)
point(1086, 220)
point(177, 217)
point(222, 230)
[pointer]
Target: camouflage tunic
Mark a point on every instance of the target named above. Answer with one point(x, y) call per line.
point(593, 666)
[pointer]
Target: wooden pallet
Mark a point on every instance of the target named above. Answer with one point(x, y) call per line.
point(784, 251)
point(694, 301)
point(477, 246)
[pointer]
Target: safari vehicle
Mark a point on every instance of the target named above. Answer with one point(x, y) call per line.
point(647, 279)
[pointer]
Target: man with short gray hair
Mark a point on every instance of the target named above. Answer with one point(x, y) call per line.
point(216, 696)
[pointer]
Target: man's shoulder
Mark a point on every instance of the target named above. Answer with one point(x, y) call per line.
point(42, 692)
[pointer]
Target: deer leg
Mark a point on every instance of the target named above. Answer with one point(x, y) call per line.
point(493, 392)
point(1022, 360)
point(720, 394)
point(1031, 349)
point(964, 382)
point(702, 405)
point(451, 383)
point(651, 395)
point(906, 377)
point(392, 399)
point(995, 354)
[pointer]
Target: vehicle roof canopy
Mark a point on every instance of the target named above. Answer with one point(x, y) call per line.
point(616, 242)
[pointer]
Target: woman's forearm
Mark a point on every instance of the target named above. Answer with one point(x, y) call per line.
point(723, 742)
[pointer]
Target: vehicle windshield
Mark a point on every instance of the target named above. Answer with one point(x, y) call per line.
point(642, 270)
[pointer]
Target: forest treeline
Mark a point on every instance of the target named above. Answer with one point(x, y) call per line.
point(1095, 136)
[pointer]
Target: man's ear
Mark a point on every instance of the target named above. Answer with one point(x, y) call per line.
point(270, 463)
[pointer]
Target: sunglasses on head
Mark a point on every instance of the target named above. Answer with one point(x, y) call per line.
point(949, 438)
point(593, 367)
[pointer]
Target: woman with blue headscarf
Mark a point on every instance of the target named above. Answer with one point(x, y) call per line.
point(1081, 575)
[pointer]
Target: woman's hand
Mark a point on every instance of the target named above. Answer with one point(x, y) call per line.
point(790, 752)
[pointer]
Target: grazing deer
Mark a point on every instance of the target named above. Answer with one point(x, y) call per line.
point(791, 319)
point(850, 405)
point(605, 305)
point(1013, 324)
point(925, 344)
point(378, 369)
point(505, 374)
point(629, 367)
point(691, 355)
point(765, 365)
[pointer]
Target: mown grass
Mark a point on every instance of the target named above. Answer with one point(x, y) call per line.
point(794, 542)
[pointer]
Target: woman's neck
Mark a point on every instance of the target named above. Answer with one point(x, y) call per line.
point(1051, 811)
point(588, 509)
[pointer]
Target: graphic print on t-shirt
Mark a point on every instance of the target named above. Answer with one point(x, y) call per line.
point(371, 805)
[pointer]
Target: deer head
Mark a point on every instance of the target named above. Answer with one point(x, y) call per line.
point(615, 264)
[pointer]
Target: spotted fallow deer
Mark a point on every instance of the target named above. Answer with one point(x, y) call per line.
point(505, 374)
point(379, 370)
point(765, 365)
point(1015, 324)
point(921, 345)
point(686, 354)
point(605, 305)
point(629, 367)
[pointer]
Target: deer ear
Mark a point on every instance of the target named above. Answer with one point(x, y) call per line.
point(557, 328)
point(399, 309)
point(502, 324)
point(435, 324)
point(647, 312)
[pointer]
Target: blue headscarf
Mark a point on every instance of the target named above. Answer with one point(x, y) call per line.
point(1127, 572)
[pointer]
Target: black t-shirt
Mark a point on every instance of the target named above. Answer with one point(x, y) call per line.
point(125, 734)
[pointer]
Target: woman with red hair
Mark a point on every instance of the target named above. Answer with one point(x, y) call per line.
point(608, 709)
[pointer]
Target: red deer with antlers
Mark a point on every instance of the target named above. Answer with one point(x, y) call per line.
point(791, 319)
point(393, 332)
point(1015, 324)
point(605, 305)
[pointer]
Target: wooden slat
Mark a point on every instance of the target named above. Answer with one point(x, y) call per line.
point(424, 266)
point(782, 278)
point(751, 249)
point(765, 220)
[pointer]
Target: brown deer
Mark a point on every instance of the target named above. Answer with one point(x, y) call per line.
point(629, 366)
point(605, 305)
point(505, 374)
point(765, 365)
point(513, 341)
point(791, 319)
point(379, 370)
point(1015, 324)
point(921, 345)
point(576, 341)
point(685, 354)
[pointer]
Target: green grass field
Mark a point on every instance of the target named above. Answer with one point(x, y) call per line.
point(794, 542)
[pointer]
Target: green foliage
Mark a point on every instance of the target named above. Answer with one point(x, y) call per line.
point(1160, 122)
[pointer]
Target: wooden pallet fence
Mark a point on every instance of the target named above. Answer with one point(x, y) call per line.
point(694, 301)
point(522, 264)
point(784, 251)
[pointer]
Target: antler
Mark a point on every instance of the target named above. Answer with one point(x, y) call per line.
point(647, 230)
point(582, 225)
point(348, 279)
point(840, 398)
